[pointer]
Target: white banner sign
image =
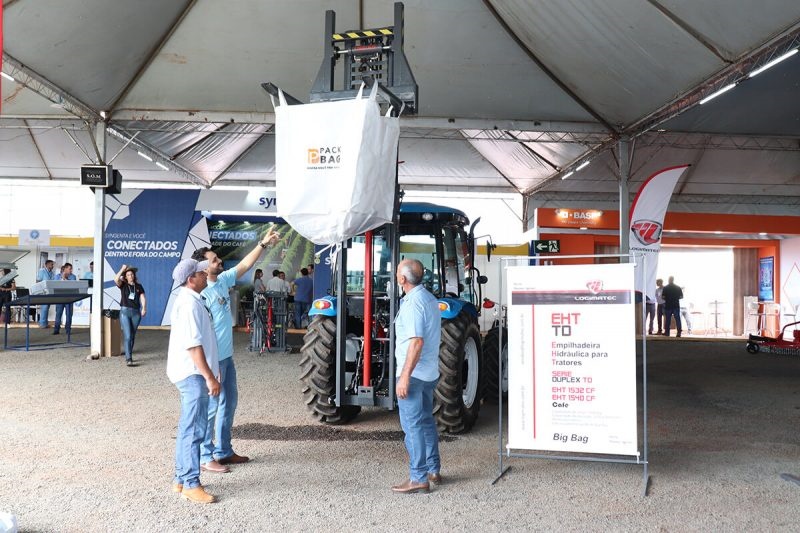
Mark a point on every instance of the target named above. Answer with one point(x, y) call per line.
point(30, 237)
point(572, 359)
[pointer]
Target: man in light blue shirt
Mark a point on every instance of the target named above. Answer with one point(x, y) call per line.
point(66, 274)
point(45, 273)
point(418, 328)
point(90, 274)
point(216, 451)
point(303, 294)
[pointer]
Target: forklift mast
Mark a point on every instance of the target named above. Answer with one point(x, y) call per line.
point(368, 55)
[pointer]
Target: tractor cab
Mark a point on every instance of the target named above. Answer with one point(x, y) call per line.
point(364, 375)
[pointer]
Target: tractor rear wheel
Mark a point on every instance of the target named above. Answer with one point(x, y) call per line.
point(490, 363)
point(457, 398)
point(318, 376)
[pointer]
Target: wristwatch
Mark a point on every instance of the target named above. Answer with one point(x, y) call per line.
point(264, 246)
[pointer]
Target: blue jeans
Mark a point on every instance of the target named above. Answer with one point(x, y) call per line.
point(300, 309)
point(422, 439)
point(668, 314)
point(68, 321)
point(191, 430)
point(43, 312)
point(220, 415)
point(129, 319)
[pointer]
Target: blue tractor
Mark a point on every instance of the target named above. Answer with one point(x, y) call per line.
point(348, 351)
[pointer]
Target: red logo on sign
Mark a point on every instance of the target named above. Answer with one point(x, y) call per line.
point(594, 286)
point(646, 231)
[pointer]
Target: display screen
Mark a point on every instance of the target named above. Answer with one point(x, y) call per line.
point(766, 277)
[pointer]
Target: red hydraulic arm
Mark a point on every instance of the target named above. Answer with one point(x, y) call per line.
point(367, 309)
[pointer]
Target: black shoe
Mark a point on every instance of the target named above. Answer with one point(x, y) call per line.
point(129, 363)
point(678, 335)
point(665, 334)
point(55, 332)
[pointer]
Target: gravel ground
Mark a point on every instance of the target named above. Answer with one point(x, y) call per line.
point(88, 446)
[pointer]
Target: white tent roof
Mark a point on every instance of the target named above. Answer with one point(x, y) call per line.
point(513, 94)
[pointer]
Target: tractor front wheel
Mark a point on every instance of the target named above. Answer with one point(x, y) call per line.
point(491, 347)
point(457, 398)
point(318, 376)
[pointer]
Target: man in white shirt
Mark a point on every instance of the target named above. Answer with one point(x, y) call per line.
point(193, 366)
point(660, 305)
point(276, 284)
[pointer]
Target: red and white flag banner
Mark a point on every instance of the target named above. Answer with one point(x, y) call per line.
point(647, 223)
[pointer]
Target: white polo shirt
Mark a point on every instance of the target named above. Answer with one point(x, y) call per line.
point(276, 284)
point(191, 326)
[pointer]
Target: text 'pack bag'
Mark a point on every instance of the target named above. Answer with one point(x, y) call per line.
point(335, 167)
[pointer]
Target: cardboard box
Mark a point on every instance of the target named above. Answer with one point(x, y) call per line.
point(112, 337)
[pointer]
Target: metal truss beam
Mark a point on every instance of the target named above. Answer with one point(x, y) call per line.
point(715, 141)
point(431, 123)
point(735, 72)
point(157, 155)
point(241, 156)
point(587, 156)
point(526, 136)
point(44, 87)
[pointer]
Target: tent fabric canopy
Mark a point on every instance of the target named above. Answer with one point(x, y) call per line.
point(514, 95)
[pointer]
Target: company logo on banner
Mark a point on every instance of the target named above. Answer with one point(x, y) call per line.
point(36, 237)
point(647, 221)
point(595, 286)
point(325, 157)
point(646, 232)
point(572, 378)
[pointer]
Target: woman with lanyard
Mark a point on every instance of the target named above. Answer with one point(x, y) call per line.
point(133, 306)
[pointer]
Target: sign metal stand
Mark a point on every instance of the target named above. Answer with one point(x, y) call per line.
point(641, 458)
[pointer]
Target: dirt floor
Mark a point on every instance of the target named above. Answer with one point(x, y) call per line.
point(88, 446)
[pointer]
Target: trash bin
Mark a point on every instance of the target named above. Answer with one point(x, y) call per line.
point(112, 333)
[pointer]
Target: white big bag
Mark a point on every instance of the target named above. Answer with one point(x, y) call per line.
point(335, 167)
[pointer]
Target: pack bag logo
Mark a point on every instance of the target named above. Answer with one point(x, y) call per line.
point(595, 286)
point(324, 157)
point(647, 231)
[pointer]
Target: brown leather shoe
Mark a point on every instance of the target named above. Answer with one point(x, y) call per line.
point(198, 495)
point(233, 460)
point(409, 486)
point(435, 478)
point(214, 467)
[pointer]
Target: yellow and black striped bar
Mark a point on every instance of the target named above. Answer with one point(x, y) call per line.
point(362, 34)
